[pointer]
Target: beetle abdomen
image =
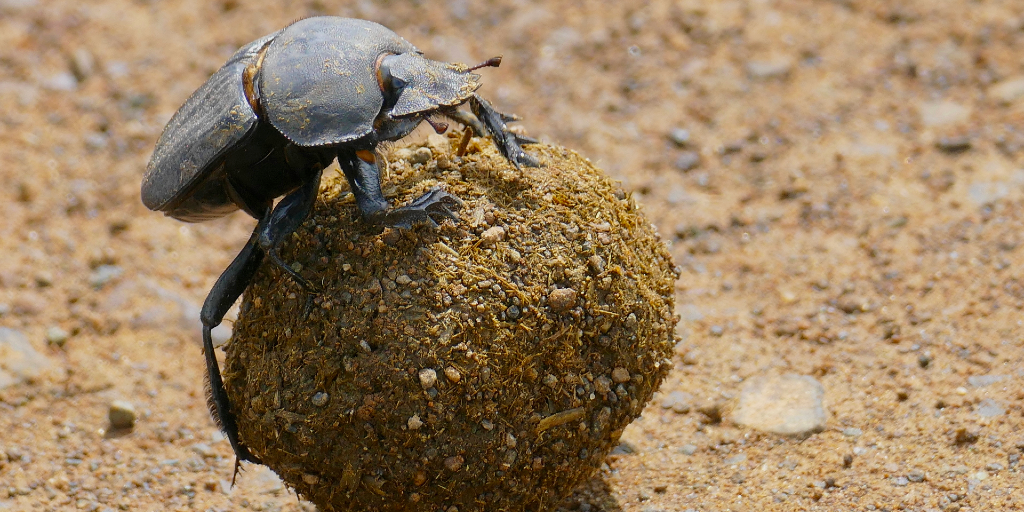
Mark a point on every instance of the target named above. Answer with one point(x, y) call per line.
point(215, 119)
point(318, 81)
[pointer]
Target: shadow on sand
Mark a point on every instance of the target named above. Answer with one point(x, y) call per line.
point(594, 495)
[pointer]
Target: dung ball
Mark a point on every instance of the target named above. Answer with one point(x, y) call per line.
point(490, 363)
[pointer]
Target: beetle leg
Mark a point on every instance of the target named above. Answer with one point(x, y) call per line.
point(466, 119)
point(508, 142)
point(229, 286)
point(363, 176)
point(364, 179)
point(287, 216)
point(435, 203)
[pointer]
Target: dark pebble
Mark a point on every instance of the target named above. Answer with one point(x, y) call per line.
point(957, 144)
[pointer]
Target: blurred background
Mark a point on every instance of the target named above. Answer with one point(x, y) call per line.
point(839, 181)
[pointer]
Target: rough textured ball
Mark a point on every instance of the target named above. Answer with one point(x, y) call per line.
point(486, 364)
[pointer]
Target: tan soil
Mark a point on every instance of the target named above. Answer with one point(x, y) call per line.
point(854, 215)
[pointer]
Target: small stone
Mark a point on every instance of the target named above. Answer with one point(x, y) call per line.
point(900, 481)
point(955, 144)
point(204, 450)
point(1007, 91)
point(786, 405)
point(963, 437)
point(428, 377)
point(19, 361)
point(989, 408)
point(452, 374)
point(83, 64)
point(678, 401)
point(454, 463)
point(691, 357)
point(513, 312)
point(916, 476)
point(679, 136)
point(687, 160)
point(403, 154)
point(121, 415)
point(986, 192)
point(688, 449)
point(310, 478)
point(320, 399)
point(736, 459)
point(980, 381)
point(403, 279)
point(103, 274)
point(941, 113)
point(414, 422)
point(56, 336)
point(852, 432)
point(44, 279)
point(770, 68)
point(603, 385)
point(562, 299)
point(620, 375)
point(64, 81)
point(420, 156)
point(492, 236)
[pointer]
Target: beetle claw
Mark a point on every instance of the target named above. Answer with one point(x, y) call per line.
point(425, 209)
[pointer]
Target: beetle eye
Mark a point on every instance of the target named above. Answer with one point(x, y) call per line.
point(397, 83)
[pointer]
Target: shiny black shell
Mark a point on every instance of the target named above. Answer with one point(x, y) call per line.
point(316, 85)
point(214, 119)
point(318, 82)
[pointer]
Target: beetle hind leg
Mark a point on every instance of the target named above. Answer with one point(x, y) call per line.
point(229, 286)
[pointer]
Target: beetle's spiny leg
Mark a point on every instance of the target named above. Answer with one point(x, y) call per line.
point(229, 286)
point(507, 141)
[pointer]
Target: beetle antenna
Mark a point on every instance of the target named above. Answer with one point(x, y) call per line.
point(492, 62)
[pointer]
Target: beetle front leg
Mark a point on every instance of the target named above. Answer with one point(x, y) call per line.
point(508, 142)
point(360, 168)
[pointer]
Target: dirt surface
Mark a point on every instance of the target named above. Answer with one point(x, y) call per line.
point(845, 205)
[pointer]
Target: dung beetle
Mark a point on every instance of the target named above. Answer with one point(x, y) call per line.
point(281, 110)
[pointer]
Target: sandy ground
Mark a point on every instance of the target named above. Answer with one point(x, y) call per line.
point(845, 204)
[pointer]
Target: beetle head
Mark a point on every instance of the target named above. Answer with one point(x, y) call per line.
point(420, 86)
